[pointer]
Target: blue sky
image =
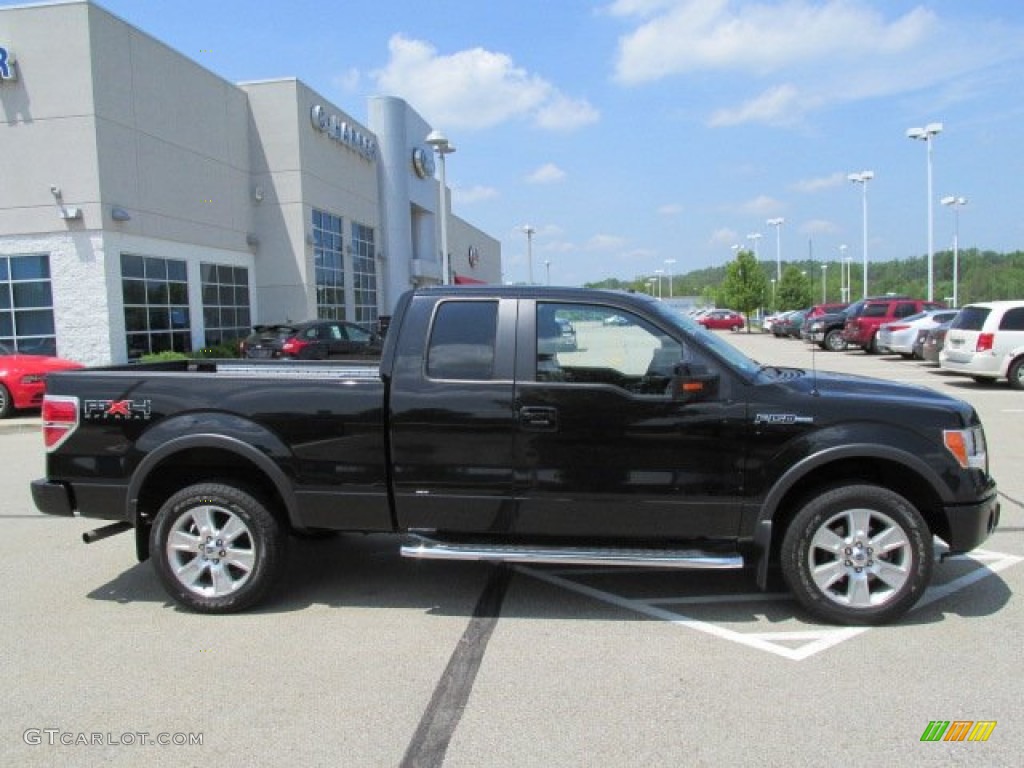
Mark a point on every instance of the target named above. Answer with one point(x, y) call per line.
point(630, 132)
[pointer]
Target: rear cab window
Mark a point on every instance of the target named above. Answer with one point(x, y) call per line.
point(463, 340)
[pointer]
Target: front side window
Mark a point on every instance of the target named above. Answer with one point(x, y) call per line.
point(329, 266)
point(608, 346)
point(156, 313)
point(462, 341)
point(26, 305)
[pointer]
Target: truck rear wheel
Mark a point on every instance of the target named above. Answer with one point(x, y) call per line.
point(217, 548)
point(834, 341)
point(857, 554)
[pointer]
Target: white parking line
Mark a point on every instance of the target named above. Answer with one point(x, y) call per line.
point(795, 645)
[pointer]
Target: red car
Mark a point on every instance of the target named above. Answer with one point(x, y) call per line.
point(23, 379)
point(719, 319)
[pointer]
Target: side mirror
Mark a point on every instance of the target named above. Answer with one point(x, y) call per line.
point(693, 382)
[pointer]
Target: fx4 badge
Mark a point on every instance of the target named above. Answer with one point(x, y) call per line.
point(119, 410)
point(782, 418)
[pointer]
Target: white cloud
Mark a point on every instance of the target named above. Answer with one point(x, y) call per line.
point(549, 173)
point(693, 35)
point(724, 236)
point(794, 57)
point(348, 81)
point(779, 105)
point(811, 186)
point(818, 227)
point(476, 194)
point(605, 243)
point(475, 88)
point(763, 205)
point(670, 209)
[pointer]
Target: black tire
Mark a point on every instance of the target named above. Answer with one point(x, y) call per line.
point(834, 341)
point(1015, 375)
point(216, 548)
point(872, 346)
point(6, 404)
point(832, 563)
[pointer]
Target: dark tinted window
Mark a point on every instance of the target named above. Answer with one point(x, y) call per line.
point(875, 310)
point(971, 318)
point(1013, 320)
point(904, 309)
point(462, 340)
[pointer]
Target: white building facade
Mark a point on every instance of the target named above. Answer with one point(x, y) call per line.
point(146, 204)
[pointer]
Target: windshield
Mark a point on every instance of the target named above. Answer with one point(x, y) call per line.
point(709, 339)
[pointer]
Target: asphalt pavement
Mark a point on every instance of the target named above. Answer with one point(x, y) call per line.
point(361, 658)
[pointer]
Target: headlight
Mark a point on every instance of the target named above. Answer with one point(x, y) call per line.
point(968, 447)
point(33, 378)
point(816, 325)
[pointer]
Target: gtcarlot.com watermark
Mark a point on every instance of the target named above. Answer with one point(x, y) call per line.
point(58, 737)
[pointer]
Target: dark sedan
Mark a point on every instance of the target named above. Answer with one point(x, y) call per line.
point(311, 340)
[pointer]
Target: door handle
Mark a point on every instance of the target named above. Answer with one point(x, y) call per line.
point(538, 418)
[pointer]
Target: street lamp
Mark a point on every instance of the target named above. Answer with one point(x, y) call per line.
point(669, 263)
point(824, 296)
point(442, 147)
point(955, 203)
point(777, 223)
point(926, 135)
point(773, 294)
point(863, 178)
point(547, 267)
point(659, 273)
point(844, 277)
point(529, 250)
point(755, 236)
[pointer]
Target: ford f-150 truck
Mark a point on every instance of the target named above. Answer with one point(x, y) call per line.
point(479, 435)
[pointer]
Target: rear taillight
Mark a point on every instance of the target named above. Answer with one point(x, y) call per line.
point(60, 419)
point(294, 346)
point(897, 327)
point(985, 342)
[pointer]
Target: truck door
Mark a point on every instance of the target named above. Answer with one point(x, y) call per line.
point(452, 422)
point(603, 446)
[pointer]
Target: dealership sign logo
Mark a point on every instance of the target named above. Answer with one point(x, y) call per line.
point(7, 71)
point(958, 730)
point(343, 132)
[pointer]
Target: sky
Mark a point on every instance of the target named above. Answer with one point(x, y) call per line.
point(637, 135)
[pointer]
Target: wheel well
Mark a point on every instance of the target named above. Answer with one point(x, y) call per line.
point(887, 474)
point(199, 465)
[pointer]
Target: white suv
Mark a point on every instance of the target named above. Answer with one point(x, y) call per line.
point(986, 342)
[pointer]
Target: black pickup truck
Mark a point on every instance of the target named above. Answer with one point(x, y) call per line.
point(480, 435)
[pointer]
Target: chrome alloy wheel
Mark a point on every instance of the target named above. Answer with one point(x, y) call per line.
point(860, 558)
point(210, 551)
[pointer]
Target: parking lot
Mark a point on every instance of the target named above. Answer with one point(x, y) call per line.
point(362, 658)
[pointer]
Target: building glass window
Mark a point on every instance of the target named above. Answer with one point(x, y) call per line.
point(329, 264)
point(364, 275)
point(26, 305)
point(226, 308)
point(156, 315)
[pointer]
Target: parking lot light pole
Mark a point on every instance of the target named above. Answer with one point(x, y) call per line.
point(443, 147)
point(529, 251)
point(863, 178)
point(955, 203)
point(777, 223)
point(844, 277)
point(926, 135)
point(669, 263)
point(824, 294)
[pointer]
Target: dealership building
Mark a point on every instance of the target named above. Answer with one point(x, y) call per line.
point(147, 204)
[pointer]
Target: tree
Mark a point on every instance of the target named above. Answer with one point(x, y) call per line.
point(745, 284)
point(794, 291)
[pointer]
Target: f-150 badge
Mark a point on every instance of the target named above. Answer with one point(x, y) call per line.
point(782, 418)
point(119, 410)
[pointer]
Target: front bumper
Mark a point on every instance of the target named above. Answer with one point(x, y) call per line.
point(969, 525)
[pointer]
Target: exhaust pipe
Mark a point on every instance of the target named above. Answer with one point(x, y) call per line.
point(90, 537)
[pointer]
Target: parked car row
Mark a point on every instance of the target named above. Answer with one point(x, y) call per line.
point(23, 378)
point(984, 340)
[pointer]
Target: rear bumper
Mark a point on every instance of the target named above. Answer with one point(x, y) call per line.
point(52, 498)
point(970, 525)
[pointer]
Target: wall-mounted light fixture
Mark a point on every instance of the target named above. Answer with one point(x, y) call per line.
point(117, 213)
point(257, 193)
point(65, 212)
point(251, 240)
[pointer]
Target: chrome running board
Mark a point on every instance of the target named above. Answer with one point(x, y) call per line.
point(432, 549)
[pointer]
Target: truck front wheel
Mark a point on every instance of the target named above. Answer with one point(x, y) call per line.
point(857, 554)
point(217, 548)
